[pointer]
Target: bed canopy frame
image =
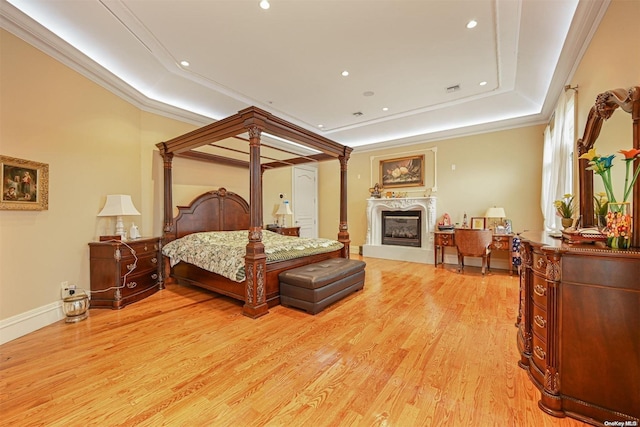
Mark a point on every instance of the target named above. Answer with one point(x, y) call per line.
point(254, 122)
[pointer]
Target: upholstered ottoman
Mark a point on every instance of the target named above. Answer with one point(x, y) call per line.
point(313, 287)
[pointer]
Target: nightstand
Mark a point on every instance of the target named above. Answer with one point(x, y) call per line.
point(117, 278)
point(286, 231)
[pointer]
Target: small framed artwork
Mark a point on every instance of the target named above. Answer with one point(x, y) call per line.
point(508, 226)
point(478, 223)
point(402, 172)
point(25, 184)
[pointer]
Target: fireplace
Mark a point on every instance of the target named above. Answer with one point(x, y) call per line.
point(402, 228)
point(405, 207)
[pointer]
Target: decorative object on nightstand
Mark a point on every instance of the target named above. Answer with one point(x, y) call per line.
point(119, 205)
point(124, 272)
point(495, 213)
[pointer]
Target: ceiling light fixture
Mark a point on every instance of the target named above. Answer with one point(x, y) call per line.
point(358, 113)
point(483, 83)
point(472, 24)
point(385, 108)
point(320, 126)
point(368, 93)
point(345, 73)
point(264, 4)
point(184, 63)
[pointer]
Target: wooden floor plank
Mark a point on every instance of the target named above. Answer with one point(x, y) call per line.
point(418, 346)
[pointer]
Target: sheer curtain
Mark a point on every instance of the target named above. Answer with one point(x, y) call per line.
point(557, 168)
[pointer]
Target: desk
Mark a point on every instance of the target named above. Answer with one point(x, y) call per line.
point(501, 242)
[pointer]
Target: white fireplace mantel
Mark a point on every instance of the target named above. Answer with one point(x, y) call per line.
point(374, 247)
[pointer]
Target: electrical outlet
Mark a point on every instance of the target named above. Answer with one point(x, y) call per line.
point(67, 290)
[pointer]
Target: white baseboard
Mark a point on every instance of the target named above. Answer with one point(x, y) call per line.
point(32, 320)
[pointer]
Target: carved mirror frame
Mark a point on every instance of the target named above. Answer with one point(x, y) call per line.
point(606, 104)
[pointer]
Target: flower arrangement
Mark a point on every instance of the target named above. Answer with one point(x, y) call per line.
point(618, 217)
point(565, 207)
point(602, 166)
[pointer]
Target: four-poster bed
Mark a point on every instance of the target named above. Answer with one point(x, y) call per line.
point(221, 210)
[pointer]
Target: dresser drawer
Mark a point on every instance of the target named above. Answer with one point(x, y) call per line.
point(539, 264)
point(539, 353)
point(539, 291)
point(539, 322)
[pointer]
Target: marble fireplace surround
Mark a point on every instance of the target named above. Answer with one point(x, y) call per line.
point(374, 247)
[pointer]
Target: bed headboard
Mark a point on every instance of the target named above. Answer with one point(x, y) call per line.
point(218, 210)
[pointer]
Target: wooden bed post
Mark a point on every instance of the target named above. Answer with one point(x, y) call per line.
point(343, 233)
point(255, 304)
point(167, 157)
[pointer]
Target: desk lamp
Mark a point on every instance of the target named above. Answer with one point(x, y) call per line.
point(494, 213)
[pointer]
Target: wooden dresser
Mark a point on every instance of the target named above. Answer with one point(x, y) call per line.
point(579, 329)
point(117, 278)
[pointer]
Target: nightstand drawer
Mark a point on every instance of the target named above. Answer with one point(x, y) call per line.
point(147, 262)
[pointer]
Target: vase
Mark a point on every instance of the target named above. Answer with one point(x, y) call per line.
point(567, 222)
point(619, 225)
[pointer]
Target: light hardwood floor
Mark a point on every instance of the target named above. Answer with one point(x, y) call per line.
point(418, 346)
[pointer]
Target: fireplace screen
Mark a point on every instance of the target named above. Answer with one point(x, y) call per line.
point(402, 228)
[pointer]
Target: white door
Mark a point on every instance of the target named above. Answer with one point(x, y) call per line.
point(305, 200)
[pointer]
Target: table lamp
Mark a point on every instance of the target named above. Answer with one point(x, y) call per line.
point(494, 213)
point(119, 205)
point(283, 210)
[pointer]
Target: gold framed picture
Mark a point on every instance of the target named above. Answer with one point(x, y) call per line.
point(402, 172)
point(25, 184)
point(478, 223)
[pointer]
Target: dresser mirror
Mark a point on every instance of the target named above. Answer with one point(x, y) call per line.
point(628, 101)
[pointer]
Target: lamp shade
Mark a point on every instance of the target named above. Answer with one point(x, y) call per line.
point(118, 205)
point(284, 209)
point(495, 213)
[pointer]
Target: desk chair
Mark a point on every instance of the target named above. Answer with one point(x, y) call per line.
point(473, 243)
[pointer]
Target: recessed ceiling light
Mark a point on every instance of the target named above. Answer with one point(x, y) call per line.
point(368, 93)
point(358, 113)
point(265, 4)
point(483, 83)
point(320, 126)
point(472, 24)
point(385, 108)
point(345, 73)
point(184, 63)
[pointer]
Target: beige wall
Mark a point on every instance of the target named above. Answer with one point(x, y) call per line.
point(97, 144)
point(488, 172)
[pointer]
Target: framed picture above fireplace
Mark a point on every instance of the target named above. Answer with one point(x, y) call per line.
point(402, 172)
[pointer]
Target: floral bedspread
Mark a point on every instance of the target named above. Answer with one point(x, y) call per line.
point(223, 252)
